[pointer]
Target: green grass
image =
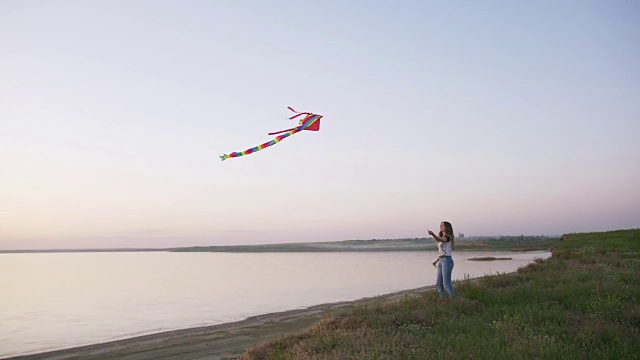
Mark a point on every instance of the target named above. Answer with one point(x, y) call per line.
point(582, 303)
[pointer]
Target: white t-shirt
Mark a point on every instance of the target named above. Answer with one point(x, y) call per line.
point(444, 248)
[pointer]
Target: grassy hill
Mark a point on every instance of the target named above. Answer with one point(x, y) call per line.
point(582, 303)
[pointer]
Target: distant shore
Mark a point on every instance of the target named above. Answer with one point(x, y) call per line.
point(223, 341)
point(498, 243)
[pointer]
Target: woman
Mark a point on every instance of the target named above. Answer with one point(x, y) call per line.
point(445, 239)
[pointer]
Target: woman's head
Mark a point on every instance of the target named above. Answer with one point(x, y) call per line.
point(446, 228)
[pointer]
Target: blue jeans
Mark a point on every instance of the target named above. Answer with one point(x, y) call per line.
point(443, 281)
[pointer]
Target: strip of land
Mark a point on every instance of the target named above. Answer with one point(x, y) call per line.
point(224, 341)
point(499, 243)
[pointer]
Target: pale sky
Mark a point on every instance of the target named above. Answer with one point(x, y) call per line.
point(502, 117)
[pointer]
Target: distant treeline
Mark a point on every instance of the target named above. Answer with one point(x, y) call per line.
point(501, 243)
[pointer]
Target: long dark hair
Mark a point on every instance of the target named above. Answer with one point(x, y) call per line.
point(449, 231)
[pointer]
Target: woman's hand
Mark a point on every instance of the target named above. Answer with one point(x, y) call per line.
point(431, 233)
point(435, 263)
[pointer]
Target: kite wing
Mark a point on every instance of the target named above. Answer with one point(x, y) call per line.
point(310, 122)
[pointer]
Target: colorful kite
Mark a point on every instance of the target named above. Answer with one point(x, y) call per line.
point(310, 122)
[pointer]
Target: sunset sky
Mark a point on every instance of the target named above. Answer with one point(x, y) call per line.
point(502, 117)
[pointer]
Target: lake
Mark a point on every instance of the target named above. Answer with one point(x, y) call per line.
point(51, 301)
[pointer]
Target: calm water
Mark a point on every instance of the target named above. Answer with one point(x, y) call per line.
point(60, 300)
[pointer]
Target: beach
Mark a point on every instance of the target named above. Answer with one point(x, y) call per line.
point(223, 341)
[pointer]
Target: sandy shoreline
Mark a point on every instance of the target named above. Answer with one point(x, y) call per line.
point(223, 341)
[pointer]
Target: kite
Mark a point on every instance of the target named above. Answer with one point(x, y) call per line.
point(310, 122)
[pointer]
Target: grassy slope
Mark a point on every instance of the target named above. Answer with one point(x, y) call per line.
point(583, 303)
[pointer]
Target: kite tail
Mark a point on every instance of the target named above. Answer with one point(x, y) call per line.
point(261, 146)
